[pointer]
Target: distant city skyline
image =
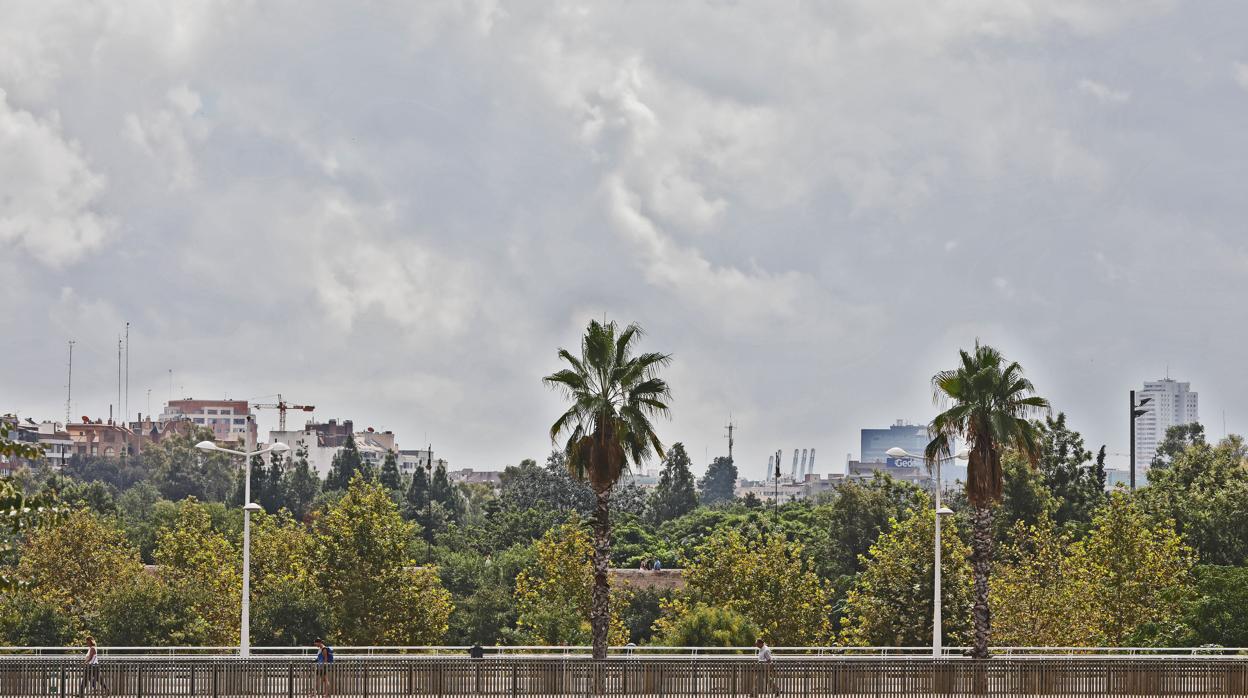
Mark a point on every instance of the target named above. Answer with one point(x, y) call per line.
point(398, 216)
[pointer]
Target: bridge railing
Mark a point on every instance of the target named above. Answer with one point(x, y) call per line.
point(625, 652)
point(670, 677)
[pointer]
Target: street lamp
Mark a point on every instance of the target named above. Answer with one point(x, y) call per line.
point(244, 634)
point(1136, 413)
point(941, 512)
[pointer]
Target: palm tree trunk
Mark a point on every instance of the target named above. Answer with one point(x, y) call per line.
point(981, 566)
point(599, 610)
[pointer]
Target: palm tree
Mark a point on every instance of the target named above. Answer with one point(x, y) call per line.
point(614, 395)
point(991, 411)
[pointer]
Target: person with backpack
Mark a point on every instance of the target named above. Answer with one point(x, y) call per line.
point(324, 658)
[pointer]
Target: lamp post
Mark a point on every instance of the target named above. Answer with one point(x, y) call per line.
point(941, 511)
point(1136, 413)
point(244, 632)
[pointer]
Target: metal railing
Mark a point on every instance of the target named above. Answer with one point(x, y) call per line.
point(574, 651)
point(500, 676)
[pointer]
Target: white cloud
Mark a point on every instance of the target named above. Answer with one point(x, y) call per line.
point(1239, 71)
point(1103, 93)
point(169, 135)
point(49, 190)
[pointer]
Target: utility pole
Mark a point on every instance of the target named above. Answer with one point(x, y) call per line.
point(69, 385)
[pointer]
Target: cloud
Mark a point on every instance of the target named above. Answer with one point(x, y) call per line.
point(49, 190)
point(1103, 93)
point(1239, 71)
point(168, 135)
point(399, 212)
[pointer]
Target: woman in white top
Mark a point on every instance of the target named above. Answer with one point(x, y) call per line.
point(91, 669)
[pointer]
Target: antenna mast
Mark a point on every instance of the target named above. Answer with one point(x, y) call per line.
point(731, 427)
point(69, 385)
point(126, 414)
point(118, 374)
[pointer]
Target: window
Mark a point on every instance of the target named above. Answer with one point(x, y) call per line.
point(210, 411)
point(200, 420)
point(240, 421)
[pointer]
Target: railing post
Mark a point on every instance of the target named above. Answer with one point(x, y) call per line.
point(290, 680)
point(515, 682)
point(216, 675)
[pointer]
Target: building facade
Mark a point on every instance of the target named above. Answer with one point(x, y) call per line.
point(1172, 403)
point(228, 419)
point(876, 442)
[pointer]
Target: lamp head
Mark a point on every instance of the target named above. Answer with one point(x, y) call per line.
point(964, 454)
point(279, 447)
point(898, 452)
point(944, 511)
point(206, 446)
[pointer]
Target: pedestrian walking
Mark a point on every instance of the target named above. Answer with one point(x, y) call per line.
point(91, 669)
point(324, 658)
point(766, 680)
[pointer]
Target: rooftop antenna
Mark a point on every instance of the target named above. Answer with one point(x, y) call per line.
point(118, 376)
point(69, 384)
point(171, 385)
point(126, 415)
point(731, 427)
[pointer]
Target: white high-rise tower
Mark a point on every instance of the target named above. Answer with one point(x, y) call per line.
point(1172, 403)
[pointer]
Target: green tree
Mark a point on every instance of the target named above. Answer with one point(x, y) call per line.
point(483, 588)
point(1043, 597)
point(1141, 570)
point(720, 482)
point(992, 404)
point(857, 513)
point(443, 492)
point(554, 594)
point(72, 564)
point(1025, 499)
point(1204, 490)
point(391, 479)
point(1178, 439)
point(203, 572)
point(288, 608)
point(530, 486)
point(890, 602)
point(152, 613)
point(416, 501)
point(1219, 613)
point(27, 620)
point(365, 567)
point(1075, 481)
point(675, 495)
point(180, 470)
point(766, 579)
point(273, 491)
point(300, 485)
point(709, 626)
point(614, 394)
point(345, 464)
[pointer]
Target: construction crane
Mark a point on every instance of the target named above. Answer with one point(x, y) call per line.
point(281, 406)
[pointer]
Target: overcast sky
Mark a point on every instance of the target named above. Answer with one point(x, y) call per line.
point(398, 211)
